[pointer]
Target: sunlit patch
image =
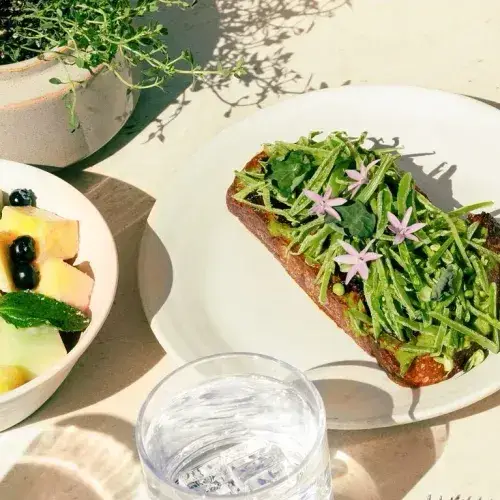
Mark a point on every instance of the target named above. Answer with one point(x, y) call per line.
point(351, 481)
point(70, 462)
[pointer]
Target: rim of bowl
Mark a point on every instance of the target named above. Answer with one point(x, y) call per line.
point(93, 329)
point(320, 419)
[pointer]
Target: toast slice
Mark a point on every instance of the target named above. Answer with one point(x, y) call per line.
point(424, 369)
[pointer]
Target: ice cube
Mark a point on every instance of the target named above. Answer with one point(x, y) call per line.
point(242, 468)
point(261, 464)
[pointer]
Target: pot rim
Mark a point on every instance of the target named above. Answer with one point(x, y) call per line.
point(47, 58)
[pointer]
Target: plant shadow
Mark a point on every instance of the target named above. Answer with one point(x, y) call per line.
point(125, 348)
point(226, 31)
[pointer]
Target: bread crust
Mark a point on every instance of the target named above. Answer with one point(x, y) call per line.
point(423, 371)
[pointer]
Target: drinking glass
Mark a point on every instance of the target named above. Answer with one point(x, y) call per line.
point(237, 426)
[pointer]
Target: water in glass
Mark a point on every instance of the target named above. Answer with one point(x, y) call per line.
point(238, 435)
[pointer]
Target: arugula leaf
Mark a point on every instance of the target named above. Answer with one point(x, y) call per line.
point(28, 309)
point(357, 220)
point(288, 173)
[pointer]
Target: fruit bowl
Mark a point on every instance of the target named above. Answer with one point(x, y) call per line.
point(97, 248)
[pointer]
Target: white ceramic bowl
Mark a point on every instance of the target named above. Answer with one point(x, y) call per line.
point(96, 246)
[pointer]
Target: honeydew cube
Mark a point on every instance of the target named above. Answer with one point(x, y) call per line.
point(6, 282)
point(66, 283)
point(33, 349)
point(54, 236)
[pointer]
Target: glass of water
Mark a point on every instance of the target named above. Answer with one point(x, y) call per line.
point(237, 425)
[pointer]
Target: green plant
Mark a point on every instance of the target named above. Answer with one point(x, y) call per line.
point(91, 33)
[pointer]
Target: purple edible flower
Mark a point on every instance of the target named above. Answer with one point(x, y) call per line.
point(401, 228)
point(359, 178)
point(324, 204)
point(357, 260)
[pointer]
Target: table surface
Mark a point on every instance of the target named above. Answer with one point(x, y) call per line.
point(82, 444)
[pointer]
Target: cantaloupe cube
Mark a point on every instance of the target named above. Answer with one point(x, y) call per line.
point(54, 235)
point(6, 283)
point(63, 282)
point(34, 349)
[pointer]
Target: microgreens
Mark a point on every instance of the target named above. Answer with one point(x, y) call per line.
point(435, 297)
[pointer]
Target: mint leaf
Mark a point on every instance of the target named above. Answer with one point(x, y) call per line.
point(289, 173)
point(27, 309)
point(357, 220)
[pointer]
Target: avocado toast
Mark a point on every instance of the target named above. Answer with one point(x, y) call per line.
point(414, 286)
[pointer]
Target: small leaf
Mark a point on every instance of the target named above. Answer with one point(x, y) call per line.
point(333, 223)
point(188, 56)
point(475, 359)
point(405, 359)
point(289, 174)
point(357, 220)
point(27, 309)
point(444, 281)
point(404, 188)
point(56, 81)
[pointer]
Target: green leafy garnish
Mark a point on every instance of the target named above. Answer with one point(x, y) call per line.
point(28, 309)
point(288, 173)
point(427, 295)
point(444, 281)
point(357, 220)
point(475, 359)
point(405, 359)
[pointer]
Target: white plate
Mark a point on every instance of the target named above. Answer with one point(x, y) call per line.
point(209, 286)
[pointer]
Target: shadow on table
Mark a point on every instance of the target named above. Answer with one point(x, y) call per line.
point(89, 457)
point(227, 31)
point(125, 348)
point(374, 464)
point(93, 456)
point(486, 101)
point(384, 464)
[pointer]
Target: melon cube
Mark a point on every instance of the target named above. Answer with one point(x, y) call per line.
point(66, 283)
point(34, 349)
point(6, 282)
point(12, 377)
point(54, 236)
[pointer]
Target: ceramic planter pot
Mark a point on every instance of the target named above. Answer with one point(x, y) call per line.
point(34, 120)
